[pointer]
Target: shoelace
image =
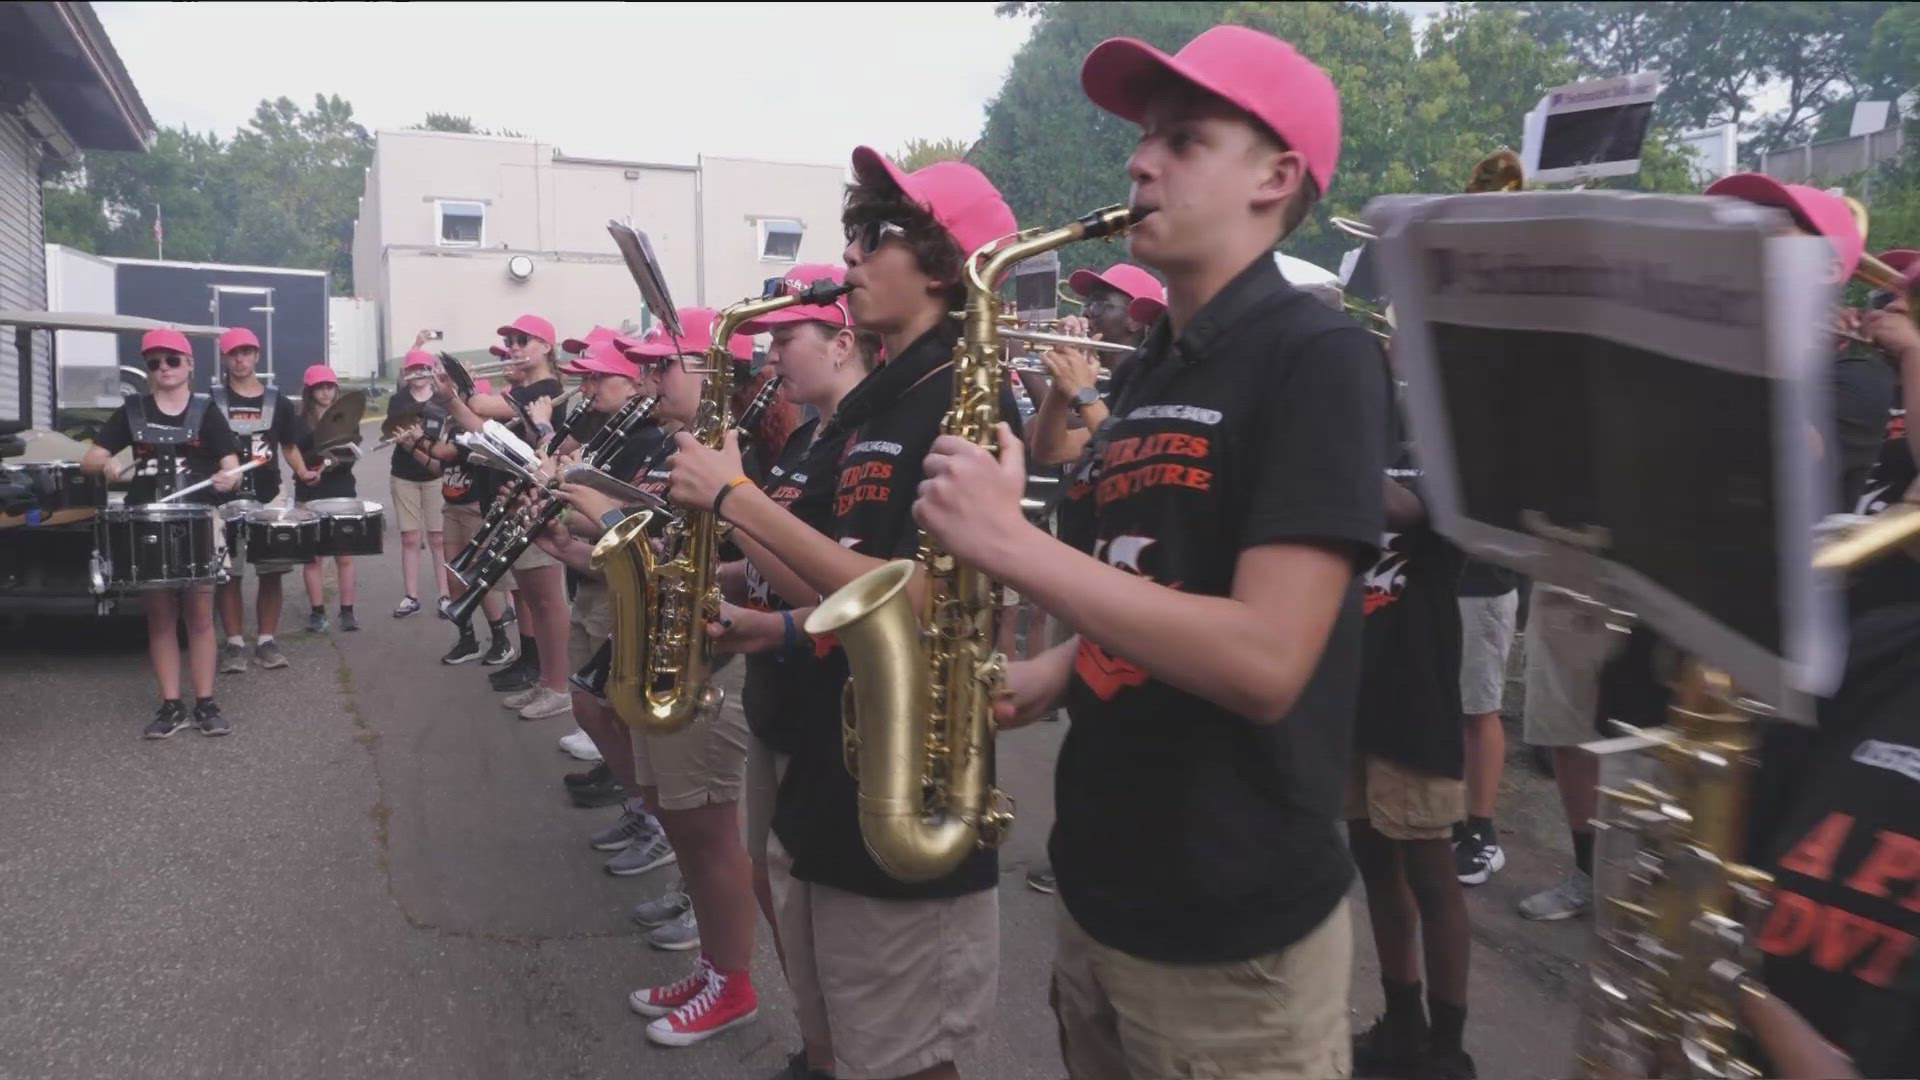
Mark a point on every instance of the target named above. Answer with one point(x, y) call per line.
point(703, 1001)
point(702, 975)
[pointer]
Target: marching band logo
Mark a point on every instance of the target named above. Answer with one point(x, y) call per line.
point(1104, 673)
point(1384, 582)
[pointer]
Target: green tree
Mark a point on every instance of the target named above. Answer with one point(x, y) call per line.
point(919, 153)
point(460, 125)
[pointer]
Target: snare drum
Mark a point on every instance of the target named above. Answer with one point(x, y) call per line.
point(279, 537)
point(60, 491)
point(234, 514)
point(158, 546)
point(349, 526)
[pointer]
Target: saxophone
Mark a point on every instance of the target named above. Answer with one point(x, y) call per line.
point(660, 683)
point(918, 710)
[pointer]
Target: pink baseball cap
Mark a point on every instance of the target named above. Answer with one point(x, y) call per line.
point(317, 374)
point(483, 386)
point(417, 358)
point(499, 351)
point(1126, 277)
point(1144, 309)
point(237, 338)
point(530, 325)
point(1253, 71)
point(594, 337)
point(606, 358)
point(165, 338)
point(798, 278)
point(1905, 262)
point(1811, 208)
point(696, 336)
point(959, 196)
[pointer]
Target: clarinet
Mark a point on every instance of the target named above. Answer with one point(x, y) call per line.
point(462, 563)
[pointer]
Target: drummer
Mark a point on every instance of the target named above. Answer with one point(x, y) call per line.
point(329, 476)
point(266, 423)
point(177, 438)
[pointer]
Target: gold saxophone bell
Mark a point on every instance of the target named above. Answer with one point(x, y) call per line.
point(625, 556)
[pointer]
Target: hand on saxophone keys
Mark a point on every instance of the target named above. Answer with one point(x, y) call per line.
point(969, 502)
point(700, 472)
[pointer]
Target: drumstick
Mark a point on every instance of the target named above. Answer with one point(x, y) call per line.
point(208, 482)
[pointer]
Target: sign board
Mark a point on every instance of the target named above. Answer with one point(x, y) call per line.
point(1869, 117)
point(1616, 393)
point(1588, 130)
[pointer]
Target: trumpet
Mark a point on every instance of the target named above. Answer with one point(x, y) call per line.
point(1061, 341)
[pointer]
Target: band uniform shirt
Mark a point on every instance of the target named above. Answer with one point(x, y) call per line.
point(863, 477)
point(431, 416)
point(1263, 423)
point(1409, 710)
point(1865, 393)
point(1839, 941)
point(336, 480)
point(1895, 577)
point(461, 482)
point(262, 424)
point(196, 458)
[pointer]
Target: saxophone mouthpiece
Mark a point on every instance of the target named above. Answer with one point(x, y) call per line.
point(1110, 221)
point(823, 292)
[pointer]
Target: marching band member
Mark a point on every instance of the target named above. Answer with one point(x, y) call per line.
point(178, 438)
point(1071, 410)
point(414, 476)
point(466, 492)
point(1236, 494)
point(890, 979)
point(265, 422)
point(327, 478)
point(540, 582)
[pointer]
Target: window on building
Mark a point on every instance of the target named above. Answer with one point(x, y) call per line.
point(780, 239)
point(462, 224)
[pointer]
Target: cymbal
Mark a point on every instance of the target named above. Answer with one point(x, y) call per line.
point(341, 422)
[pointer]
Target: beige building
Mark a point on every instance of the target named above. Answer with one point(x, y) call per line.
point(460, 233)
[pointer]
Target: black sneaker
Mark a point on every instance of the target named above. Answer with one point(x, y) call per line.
point(1476, 855)
point(504, 650)
point(464, 649)
point(1389, 1052)
point(797, 1070)
point(519, 675)
point(171, 717)
point(608, 792)
point(598, 774)
point(347, 621)
point(1447, 1065)
point(206, 717)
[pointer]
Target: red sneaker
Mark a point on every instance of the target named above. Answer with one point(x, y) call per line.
point(662, 1000)
point(726, 1001)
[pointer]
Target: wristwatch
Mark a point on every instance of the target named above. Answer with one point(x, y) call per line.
point(613, 517)
point(1084, 397)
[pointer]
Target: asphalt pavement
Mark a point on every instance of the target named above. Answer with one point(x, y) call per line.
point(378, 875)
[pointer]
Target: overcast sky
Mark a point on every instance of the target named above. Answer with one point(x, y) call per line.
point(653, 82)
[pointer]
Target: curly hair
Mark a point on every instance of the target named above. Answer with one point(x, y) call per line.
point(935, 251)
point(769, 437)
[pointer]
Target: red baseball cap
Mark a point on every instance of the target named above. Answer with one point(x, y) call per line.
point(798, 278)
point(530, 325)
point(1144, 309)
point(165, 339)
point(1812, 209)
point(417, 358)
point(696, 336)
point(959, 196)
point(1126, 277)
point(594, 337)
point(237, 338)
point(606, 358)
point(317, 374)
point(1253, 71)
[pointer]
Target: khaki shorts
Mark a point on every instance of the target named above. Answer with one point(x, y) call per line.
point(1486, 638)
point(1282, 1015)
point(765, 767)
point(460, 523)
point(701, 764)
point(896, 986)
point(418, 504)
point(1402, 804)
point(1564, 661)
point(590, 623)
point(534, 558)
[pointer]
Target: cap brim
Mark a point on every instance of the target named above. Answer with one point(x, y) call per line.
point(1083, 281)
point(505, 330)
point(799, 313)
point(868, 162)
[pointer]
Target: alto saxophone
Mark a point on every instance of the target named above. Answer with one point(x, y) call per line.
point(663, 606)
point(918, 711)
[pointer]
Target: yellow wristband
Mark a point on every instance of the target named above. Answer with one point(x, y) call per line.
point(724, 491)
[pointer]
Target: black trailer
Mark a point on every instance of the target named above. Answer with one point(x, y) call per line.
point(286, 309)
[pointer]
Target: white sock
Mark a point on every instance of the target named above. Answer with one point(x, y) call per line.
point(264, 639)
point(237, 641)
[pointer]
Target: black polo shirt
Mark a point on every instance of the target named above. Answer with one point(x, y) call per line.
point(774, 680)
point(1184, 832)
point(864, 473)
point(1894, 577)
point(431, 416)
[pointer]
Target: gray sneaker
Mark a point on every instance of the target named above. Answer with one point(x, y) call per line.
point(634, 827)
point(269, 655)
point(233, 658)
point(316, 622)
point(664, 908)
point(680, 935)
point(1573, 896)
point(641, 857)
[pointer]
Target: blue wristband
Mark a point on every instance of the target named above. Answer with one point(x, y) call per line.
point(613, 517)
point(793, 635)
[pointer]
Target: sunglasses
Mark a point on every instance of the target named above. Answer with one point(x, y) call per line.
point(874, 233)
point(517, 340)
point(170, 359)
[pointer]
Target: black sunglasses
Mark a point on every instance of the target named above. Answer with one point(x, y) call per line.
point(519, 340)
point(874, 233)
point(170, 359)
